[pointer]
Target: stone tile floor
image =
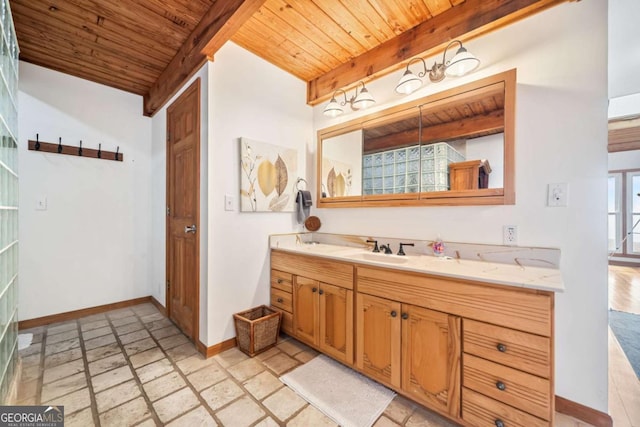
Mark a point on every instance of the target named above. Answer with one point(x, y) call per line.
point(133, 367)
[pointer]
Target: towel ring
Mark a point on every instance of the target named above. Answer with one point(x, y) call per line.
point(298, 183)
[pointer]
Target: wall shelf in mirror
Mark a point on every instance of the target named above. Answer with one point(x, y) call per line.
point(401, 156)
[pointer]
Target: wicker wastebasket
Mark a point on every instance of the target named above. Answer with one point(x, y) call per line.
point(257, 329)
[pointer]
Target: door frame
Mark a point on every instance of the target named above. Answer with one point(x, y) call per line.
point(195, 86)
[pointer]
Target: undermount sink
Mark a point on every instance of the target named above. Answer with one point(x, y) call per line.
point(389, 259)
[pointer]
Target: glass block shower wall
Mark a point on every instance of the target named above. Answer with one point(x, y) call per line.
point(8, 201)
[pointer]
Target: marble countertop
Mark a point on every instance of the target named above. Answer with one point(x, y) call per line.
point(517, 275)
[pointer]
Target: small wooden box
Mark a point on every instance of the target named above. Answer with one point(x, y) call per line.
point(257, 329)
point(469, 175)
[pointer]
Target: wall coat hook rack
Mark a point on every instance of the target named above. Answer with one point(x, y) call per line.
point(80, 151)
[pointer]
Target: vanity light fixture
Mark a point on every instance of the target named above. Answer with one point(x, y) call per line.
point(360, 101)
point(462, 63)
point(409, 82)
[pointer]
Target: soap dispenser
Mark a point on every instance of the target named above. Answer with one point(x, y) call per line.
point(438, 247)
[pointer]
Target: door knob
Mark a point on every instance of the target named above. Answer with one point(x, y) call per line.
point(190, 229)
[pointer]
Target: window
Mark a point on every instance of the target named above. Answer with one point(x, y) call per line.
point(624, 213)
point(633, 213)
point(614, 212)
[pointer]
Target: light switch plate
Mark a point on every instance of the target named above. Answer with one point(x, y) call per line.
point(558, 195)
point(41, 203)
point(228, 202)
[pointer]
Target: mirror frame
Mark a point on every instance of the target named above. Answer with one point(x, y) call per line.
point(486, 196)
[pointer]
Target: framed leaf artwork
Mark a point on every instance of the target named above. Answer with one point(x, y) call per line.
point(267, 177)
point(337, 179)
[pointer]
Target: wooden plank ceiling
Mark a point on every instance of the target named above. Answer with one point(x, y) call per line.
point(150, 47)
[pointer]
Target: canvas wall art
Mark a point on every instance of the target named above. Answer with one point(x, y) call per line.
point(268, 175)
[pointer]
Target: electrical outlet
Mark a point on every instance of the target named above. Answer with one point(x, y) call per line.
point(228, 202)
point(510, 235)
point(557, 195)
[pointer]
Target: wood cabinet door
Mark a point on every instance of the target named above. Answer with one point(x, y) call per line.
point(305, 309)
point(336, 322)
point(378, 338)
point(431, 358)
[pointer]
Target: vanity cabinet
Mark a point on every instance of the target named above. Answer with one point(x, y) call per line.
point(501, 367)
point(479, 353)
point(411, 348)
point(489, 346)
point(324, 317)
point(282, 298)
point(321, 302)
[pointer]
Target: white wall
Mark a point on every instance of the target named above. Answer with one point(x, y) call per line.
point(624, 160)
point(624, 50)
point(628, 105)
point(249, 98)
point(159, 196)
point(347, 150)
point(91, 246)
point(489, 147)
point(242, 96)
point(561, 136)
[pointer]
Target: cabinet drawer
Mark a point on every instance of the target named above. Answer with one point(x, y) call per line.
point(317, 268)
point(281, 280)
point(519, 350)
point(481, 411)
point(286, 324)
point(524, 391)
point(281, 300)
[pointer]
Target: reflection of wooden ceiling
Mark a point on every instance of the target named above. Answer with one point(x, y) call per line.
point(458, 117)
point(151, 47)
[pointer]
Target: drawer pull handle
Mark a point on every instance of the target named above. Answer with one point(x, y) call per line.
point(321, 292)
point(314, 290)
point(393, 313)
point(502, 348)
point(501, 386)
point(499, 423)
point(405, 316)
point(280, 280)
point(280, 300)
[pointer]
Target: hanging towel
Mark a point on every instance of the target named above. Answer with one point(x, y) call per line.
point(303, 199)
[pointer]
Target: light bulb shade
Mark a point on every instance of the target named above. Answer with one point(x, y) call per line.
point(333, 108)
point(363, 100)
point(408, 83)
point(462, 63)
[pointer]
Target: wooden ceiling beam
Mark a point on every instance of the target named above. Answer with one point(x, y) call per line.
point(217, 26)
point(472, 127)
point(464, 21)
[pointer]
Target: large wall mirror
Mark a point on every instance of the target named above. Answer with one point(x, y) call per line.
point(451, 148)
